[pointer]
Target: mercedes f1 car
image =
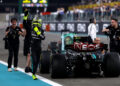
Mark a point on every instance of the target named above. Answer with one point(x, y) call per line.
point(75, 54)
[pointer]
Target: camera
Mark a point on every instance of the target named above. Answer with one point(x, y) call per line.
point(11, 32)
point(118, 35)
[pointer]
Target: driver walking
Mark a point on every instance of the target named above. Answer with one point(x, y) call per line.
point(37, 34)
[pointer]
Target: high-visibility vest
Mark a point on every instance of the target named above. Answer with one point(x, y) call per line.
point(37, 30)
point(25, 17)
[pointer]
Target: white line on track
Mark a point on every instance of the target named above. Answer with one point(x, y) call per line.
point(39, 77)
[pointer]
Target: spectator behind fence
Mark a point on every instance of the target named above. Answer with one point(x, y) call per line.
point(60, 15)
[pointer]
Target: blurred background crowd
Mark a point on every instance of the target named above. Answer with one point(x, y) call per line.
point(70, 10)
point(83, 10)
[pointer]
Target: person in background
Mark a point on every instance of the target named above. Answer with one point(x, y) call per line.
point(13, 32)
point(92, 32)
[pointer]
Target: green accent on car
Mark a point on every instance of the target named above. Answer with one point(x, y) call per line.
point(67, 39)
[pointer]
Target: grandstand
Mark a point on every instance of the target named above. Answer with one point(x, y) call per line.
point(102, 10)
point(70, 10)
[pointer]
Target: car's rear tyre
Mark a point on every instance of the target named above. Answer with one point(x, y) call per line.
point(45, 62)
point(58, 66)
point(111, 65)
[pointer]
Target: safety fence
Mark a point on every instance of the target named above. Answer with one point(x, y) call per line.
point(77, 27)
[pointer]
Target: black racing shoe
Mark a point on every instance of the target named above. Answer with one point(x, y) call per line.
point(30, 70)
point(27, 69)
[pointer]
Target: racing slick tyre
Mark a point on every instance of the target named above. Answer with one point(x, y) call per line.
point(45, 62)
point(111, 65)
point(58, 66)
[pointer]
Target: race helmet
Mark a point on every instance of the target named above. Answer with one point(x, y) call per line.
point(37, 22)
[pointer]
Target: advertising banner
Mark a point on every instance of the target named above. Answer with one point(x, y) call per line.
point(77, 27)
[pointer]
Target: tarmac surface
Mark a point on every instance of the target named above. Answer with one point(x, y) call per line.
point(96, 81)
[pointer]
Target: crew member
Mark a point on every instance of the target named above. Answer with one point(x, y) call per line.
point(27, 40)
point(113, 31)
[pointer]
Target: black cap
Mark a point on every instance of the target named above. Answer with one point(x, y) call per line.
point(92, 20)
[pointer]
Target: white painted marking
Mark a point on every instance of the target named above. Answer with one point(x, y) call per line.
point(39, 77)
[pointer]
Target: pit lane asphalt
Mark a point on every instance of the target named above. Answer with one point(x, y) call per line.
point(96, 81)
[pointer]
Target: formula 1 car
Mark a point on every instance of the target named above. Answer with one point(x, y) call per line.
point(75, 54)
